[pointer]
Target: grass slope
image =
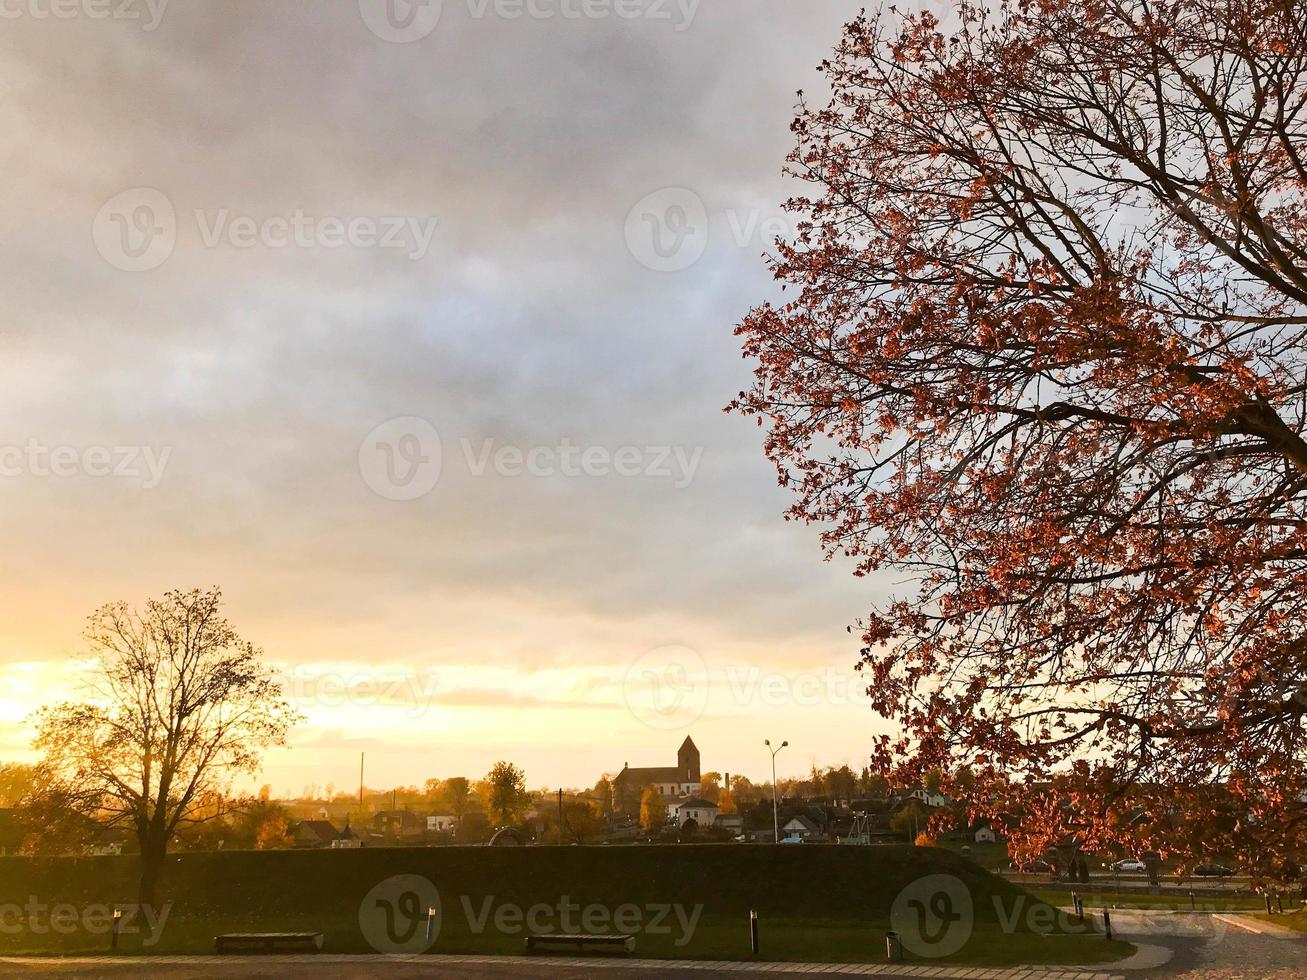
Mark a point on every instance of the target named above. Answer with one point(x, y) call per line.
point(819, 903)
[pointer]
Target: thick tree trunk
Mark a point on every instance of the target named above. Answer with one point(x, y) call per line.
point(154, 851)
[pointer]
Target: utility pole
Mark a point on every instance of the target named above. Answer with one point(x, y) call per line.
point(361, 780)
point(560, 818)
point(775, 808)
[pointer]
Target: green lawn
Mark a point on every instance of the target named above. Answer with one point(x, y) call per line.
point(1095, 900)
point(1296, 919)
point(818, 903)
point(992, 857)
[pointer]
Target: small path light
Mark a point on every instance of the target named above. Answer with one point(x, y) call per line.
point(1193, 906)
point(431, 925)
point(893, 947)
point(117, 923)
point(753, 932)
point(1107, 925)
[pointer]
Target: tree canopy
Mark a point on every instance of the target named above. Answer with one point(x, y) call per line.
point(1043, 350)
point(179, 705)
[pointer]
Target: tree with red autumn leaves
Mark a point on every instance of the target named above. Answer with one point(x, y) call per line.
point(1043, 346)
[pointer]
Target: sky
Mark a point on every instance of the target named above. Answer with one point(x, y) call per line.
point(410, 327)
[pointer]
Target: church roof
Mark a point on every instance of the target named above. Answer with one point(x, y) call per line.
point(656, 774)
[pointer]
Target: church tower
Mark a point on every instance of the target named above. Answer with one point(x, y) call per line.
point(687, 760)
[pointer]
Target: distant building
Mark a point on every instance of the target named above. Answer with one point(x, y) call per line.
point(703, 813)
point(346, 839)
point(671, 782)
point(314, 833)
point(733, 822)
point(925, 797)
point(398, 824)
point(800, 828)
point(438, 824)
point(323, 834)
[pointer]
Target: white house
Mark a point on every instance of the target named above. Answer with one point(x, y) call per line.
point(985, 835)
point(800, 828)
point(439, 824)
point(703, 813)
point(923, 795)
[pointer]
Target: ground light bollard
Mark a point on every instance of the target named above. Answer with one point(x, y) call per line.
point(753, 931)
point(1193, 906)
point(117, 922)
point(1075, 905)
point(1107, 925)
point(893, 947)
point(431, 925)
point(1279, 903)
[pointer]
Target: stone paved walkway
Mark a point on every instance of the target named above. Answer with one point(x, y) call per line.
point(320, 966)
point(1204, 947)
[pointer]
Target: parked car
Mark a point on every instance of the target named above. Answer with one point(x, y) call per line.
point(1130, 864)
point(1212, 871)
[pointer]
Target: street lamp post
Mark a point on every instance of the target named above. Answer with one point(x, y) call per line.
point(775, 810)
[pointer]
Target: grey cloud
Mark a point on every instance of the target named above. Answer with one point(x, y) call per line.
point(528, 321)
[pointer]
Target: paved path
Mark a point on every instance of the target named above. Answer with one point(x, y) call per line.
point(1216, 947)
point(477, 967)
point(1201, 947)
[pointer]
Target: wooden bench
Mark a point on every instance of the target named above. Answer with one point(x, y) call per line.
point(562, 943)
point(269, 942)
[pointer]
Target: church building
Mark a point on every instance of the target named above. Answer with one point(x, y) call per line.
point(672, 782)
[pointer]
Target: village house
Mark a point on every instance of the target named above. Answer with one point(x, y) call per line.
point(398, 825)
point(439, 824)
point(323, 834)
point(701, 812)
point(314, 833)
point(800, 828)
point(733, 823)
point(925, 797)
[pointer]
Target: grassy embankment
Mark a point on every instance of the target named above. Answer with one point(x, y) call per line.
point(1096, 899)
point(815, 903)
point(1295, 920)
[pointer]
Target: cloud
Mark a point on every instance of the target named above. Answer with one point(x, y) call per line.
point(527, 323)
